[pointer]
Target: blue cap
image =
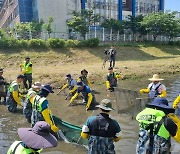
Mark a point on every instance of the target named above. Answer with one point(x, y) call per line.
point(68, 75)
point(48, 88)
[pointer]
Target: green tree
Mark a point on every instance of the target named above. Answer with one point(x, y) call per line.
point(171, 26)
point(2, 34)
point(36, 28)
point(79, 25)
point(29, 30)
point(161, 24)
point(113, 24)
point(88, 16)
point(81, 21)
point(134, 25)
point(48, 26)
point(22, 30)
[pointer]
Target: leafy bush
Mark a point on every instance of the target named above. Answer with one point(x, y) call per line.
point(177, 43)
point(94, 42)
point(37, 43)
point(13, 43)
point(2, 34)
point(82, 43)
point(71, 43)
point(24, 43)
point(56, 43)
point(3, 43)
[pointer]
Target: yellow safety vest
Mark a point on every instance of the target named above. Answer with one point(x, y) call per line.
point(12, 85)
point(37, 103)
point(30, 93)
point(149, 116)
point(17, 148)
point(26, 67)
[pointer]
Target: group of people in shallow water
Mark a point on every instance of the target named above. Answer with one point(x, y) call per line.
point(157, 122)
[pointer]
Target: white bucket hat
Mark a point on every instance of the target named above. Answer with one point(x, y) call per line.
point(37, 85)
point(155, 78)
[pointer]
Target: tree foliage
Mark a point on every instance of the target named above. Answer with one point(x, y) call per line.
point(133, 24)
point(24, 30)
point(2, 34)
point(48, 26)
point(88, 16)
point(81, 21)
point(79, 25)
point(113, 24)
point(161, 24)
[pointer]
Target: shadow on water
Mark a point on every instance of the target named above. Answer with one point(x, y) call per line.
point(77, 115)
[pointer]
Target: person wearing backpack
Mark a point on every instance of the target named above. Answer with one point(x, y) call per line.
point(156, 128)
point(101, 130)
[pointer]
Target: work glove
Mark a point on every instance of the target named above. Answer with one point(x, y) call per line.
point(54, 128)
point(144, 91)
point(163, 94)
point(175, 106)
point(176, 102)
point(116, 139)
point(141, 91)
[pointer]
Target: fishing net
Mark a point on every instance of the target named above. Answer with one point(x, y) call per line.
point(128, 101)
point(70, 131)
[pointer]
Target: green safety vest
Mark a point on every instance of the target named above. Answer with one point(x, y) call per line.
point(152, 116)
point(26, 67)
point(37, 103)
point(12, 85)
point(30, 93)
point(84, 80)
point(17, 148)
point(112, 79)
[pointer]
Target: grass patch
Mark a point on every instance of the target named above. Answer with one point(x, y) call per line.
point(50, 66)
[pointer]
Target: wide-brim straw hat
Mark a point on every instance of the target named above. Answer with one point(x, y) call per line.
point(38, 137)
point(155, 78)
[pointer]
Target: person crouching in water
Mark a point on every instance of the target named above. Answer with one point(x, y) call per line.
point(33, 140)
point(32, 92)
point(40, 109)
point(86, 92)
point(14, 94)
point(101, 131)
point(84, 78)
point(71, 85)
point(155, 88)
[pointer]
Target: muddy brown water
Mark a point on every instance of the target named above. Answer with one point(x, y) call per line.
point(77, 115)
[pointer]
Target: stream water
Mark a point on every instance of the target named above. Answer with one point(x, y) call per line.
point(77, 115)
